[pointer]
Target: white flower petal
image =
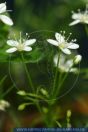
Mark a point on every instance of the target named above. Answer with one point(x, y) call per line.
point(4, 103)
point(26, 48)
point(29, 42)
point(86, 21)
point(73, 46)
point(55, 59)
point(11, 50)
point(2, 108)
point(75, 16)
point(66, 51)
point(6, 20)
point(74, 22)
point(53, 42)
point(74, 70)
point(12, 43)
point(69, 63)
point(2, 7)
point(59, 38)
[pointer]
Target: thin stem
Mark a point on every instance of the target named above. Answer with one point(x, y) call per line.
point(5, 93)
point(62, 81)
point(56, 73)
point(60, 78)
point(27, 73)
point(86, 29)
point(42, 114)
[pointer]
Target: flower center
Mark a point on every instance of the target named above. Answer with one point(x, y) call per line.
point(62, 45)
point(83, 17)
point(20, 47)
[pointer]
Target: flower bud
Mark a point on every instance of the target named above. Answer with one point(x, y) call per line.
point(22, 93)
point(77, 59)
point(68, 113)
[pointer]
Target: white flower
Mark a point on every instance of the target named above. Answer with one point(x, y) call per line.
point(65, 65)
point(20, 45)
point(5, 19)
point(80, 17)
point(63, 43)
point(4, 104)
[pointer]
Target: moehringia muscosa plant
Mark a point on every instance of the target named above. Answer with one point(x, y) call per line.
point(61, 42)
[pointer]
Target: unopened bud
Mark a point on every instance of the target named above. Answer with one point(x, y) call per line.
point(77, 59)
point(22, 93)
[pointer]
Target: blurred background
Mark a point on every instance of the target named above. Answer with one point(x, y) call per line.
point(41, 19)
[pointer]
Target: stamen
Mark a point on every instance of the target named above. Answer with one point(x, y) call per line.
point(20, 37)
point(86, 11)
point(79, 10)
point(26, 34)
point(23, 40)
point(73, 40)
point(9, 10)
point(15, 37)
point(69, 36)
point(72, 12)
point(63, 33)
point(9, 37)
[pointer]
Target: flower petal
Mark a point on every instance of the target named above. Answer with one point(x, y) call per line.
point(75, 15)
point(29, 42)
point(26, 48)
point(12, 42)
point(2, 108)
point(59, 38)
point(86, 21)
point(6, 20)
point(73, 46)
point(74, 22)
point(74, 70)
point(66, 51)
point(2, 7)
point(53, 42)
point(11, 50)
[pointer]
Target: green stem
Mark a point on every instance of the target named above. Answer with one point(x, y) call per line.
point(62, 81)
point(42, 114)
point(60, 78)
point(56, 74)
point(5, 93)
point(86, 29)
point(27, 73)
point(50, 116)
